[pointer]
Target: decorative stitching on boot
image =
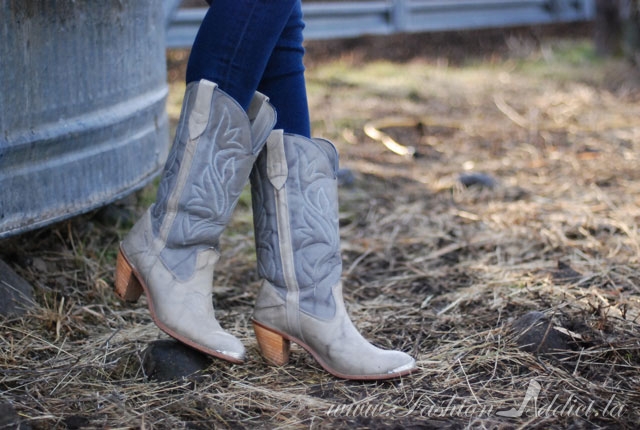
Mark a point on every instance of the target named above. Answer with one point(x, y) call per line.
point(313, 198)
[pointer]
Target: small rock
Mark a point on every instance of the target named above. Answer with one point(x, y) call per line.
point(477, 180)
point(115, 214)
point(16, 294)
point(75, 422)
point(566, 274)
point(514, 194)
point(169, 360)
point(9, 418)
point(346, 178)
point(40, 265)
point(534, 332)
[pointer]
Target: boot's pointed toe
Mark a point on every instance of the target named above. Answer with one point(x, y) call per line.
point(225, 345)
point(406, 368)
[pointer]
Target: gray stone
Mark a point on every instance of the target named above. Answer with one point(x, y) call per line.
point(481, 180)
point(74, 422)
point(346, 178)
point(9, 418)
point(16, 294)
point(169, 360)
point(566, 274)
point(534, 332)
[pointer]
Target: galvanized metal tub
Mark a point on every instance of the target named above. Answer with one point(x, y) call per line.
point(82, 106)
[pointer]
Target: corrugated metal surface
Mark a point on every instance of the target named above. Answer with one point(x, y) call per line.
point(327, 20)
point(82, 105)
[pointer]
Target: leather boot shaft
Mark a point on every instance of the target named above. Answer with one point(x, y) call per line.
point(295, 198)
point(211, 157)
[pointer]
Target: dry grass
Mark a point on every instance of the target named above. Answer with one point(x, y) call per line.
point(431, 267)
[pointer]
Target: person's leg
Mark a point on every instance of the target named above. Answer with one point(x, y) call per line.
point(295, 212)
point(283, 79)
point(170, 253)
point(235, 42)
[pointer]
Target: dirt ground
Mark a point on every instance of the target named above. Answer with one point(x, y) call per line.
point(502, 251)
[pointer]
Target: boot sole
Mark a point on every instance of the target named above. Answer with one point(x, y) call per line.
point(275, 348)
point(129, 286)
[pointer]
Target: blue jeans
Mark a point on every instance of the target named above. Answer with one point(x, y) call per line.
point(249, 45)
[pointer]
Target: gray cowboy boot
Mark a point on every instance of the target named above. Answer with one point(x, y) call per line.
point(170, 253)
point(295, 209)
